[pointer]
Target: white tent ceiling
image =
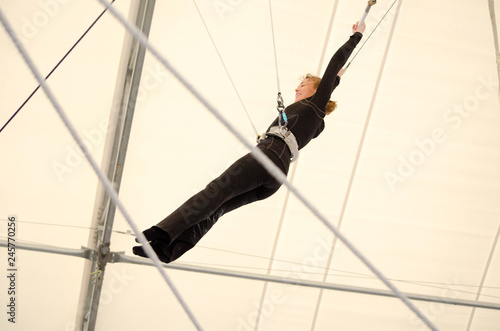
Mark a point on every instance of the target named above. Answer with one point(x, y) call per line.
point(422, 202)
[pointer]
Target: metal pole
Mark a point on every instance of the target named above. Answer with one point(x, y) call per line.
point(84, 252)
point(119, 128)
point(121, 258)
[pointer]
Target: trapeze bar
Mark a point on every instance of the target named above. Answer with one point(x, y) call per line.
point(84, 252)
point(121, 258)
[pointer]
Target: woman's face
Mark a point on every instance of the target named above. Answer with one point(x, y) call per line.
point(305, 90)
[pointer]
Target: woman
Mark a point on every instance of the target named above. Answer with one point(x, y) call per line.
point(246, 181)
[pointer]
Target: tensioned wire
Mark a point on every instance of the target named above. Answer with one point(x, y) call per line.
point(331, 271)
point(274, 47)
point(53, 69)
point(226, 70)
point(266, 163)
point(370, 35)
point(339, 274)
point(103, 179)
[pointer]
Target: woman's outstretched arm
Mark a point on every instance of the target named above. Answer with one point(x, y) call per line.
point(331, 77)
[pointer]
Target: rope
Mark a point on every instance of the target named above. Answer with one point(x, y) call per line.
point(104, 180)
point(274, 47)
point(491, 6)
point(369, 36)
point(57, 65)
point(266, 163)
point(225, 69)
point(282, 119)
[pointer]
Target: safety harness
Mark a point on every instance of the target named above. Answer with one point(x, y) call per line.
point(284, 134)
point(281, 130)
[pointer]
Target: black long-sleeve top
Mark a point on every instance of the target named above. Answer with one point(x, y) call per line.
point(306, 117)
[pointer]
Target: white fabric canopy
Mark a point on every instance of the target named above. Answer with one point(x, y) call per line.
point(406, 169)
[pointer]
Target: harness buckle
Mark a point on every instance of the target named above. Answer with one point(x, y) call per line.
point(281, 107)
point(285, 135)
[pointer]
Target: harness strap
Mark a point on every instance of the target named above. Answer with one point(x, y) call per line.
point(287, 136)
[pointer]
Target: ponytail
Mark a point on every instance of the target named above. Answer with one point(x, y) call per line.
point(331, 105)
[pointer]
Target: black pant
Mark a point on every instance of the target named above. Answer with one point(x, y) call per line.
point(244, 182)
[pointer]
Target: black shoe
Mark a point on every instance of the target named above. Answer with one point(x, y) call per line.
point(159, 241)
point(155, 233)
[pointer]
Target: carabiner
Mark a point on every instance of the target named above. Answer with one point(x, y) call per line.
point(281, 111)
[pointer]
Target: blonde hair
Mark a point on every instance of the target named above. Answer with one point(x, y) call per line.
point(331, 105)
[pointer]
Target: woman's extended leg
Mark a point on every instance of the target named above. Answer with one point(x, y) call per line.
point(190, 237)
point(244, 182)
point(243, 176)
